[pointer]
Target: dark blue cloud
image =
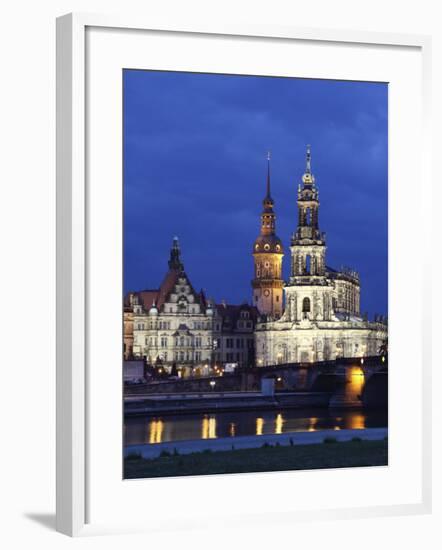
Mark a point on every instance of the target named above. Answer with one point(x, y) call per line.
point(194, 166)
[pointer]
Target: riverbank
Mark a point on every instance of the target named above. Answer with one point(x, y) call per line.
point(330, 453)
point(154, 450)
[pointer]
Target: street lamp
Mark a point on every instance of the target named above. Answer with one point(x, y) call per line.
point(212, 384)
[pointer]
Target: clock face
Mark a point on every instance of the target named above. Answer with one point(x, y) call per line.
point(266, 293)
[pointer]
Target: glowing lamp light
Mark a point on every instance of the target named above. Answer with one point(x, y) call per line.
point(212, 384)
point(362, 360)
point(383, 359)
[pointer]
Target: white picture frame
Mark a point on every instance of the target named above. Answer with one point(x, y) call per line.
point(73, 264)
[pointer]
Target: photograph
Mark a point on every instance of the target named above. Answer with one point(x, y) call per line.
point(255, 274)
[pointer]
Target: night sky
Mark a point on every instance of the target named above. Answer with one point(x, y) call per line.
point(195, 148)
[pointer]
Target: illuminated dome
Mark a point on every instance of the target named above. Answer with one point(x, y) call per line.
point(268, 243)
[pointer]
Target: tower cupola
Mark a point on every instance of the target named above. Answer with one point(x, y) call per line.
point(268, 253)
point(308, 242)
point(175, 262)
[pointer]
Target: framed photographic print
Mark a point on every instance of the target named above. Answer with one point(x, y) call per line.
point(238, 214)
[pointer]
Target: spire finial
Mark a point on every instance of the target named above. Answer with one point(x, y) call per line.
point(308, 177)
point(308, 161)
point(268, 174)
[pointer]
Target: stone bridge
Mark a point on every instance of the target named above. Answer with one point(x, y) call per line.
point(306, 375)
point(350, 381)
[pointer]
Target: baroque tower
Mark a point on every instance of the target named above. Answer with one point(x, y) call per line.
point(309, 293)
point(267, 255)
point(308, 242)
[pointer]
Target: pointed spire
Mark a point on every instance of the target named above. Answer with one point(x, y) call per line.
point(308, 168)
point(175, 260)
point(308, 177)
point(268, 196)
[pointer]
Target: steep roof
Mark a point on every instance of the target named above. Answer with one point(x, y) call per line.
point(161, 295)
point(231, 312)
point(166, 287)
point(147, 298)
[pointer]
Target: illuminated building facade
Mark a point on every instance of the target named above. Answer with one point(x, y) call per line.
point(172, 324)
point(321, 319)
point(128, 339)
point(175, 325)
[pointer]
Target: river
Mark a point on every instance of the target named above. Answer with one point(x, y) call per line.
point(147, 429)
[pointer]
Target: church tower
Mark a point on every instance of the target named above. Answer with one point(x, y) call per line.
point(267, 255)
point(308, 242)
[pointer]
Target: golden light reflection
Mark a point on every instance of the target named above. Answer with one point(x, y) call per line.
point(279, 422)
point(232, 429)
point(259, 426)
point(355, 382)
point(312, 424)
point(208, 428)
point(357, 421)
point(156, 431)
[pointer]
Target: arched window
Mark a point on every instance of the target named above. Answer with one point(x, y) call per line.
point(308, 264)
point(308, 216)
point(305, 306)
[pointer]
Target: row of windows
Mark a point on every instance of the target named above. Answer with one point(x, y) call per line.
point(161, 325)
point(241, 343)
point(186, 341)
point(244, 324)
point(181, 341)
point(182, 356)
point(165, 325)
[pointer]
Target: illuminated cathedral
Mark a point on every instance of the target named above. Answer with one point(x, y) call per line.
point(315, 315)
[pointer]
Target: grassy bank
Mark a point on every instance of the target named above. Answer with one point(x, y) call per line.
point(329, 454)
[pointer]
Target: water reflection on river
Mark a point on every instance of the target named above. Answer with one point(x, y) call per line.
point(146, 429)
